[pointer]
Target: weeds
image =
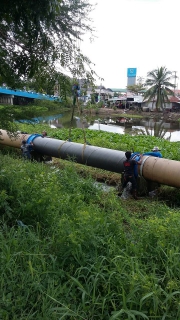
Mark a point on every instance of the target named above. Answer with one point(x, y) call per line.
point(80, 252)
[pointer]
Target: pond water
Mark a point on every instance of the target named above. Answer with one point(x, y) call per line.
point(166, 129)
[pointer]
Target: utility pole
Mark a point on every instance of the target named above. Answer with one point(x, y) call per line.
point(175, 80)
point(100, 92)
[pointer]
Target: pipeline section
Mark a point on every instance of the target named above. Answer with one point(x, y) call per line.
point(163, 171)
point(111, 160)
point(102, 158)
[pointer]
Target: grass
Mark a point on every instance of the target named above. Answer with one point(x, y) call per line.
point(82, 252)
point(70, 250)
point(127, 115)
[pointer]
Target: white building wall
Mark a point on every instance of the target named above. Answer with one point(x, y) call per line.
point(152, 106)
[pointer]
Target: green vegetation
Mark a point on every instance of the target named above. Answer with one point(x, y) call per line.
point(139, 87)
point(9, 114)
point(70, 250)
point(158, 81)
point(141, 143)
point(35, 38)
point(51, 105)
point(127, 115)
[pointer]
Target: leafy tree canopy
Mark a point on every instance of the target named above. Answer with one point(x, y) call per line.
point(37, 34)
point(48, 80)
point(158, 81)
point(136, 88)
point(139, 87)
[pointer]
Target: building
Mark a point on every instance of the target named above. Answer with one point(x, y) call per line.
point(172, 105)
point(100, 93)
point(21, 97)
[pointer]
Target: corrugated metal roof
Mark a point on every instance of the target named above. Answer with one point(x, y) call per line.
point(27, 94)
point(118, 90)
point(174, 99)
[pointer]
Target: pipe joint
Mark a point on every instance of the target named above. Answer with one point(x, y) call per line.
point(32, 137)
point(142, 164)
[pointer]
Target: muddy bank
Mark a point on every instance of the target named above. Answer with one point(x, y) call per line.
point(134, 113)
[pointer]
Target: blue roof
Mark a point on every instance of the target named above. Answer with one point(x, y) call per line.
point(27, 94)
point(118, 90)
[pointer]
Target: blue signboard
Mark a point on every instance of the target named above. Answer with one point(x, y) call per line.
point(131, 72)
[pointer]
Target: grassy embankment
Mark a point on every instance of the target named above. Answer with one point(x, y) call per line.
point(84, 253)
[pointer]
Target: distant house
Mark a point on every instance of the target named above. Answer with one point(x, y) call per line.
point(173, 104)
point(126, 101)
point(117, 91)
point(177, 93)
point(100, 93)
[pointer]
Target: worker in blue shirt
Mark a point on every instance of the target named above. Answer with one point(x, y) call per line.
point(26, 149)
point(155, 153)
point(129, 172)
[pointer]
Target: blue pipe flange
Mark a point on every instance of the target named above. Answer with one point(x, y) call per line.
point(32, 137)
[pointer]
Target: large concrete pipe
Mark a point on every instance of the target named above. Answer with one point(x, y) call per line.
point(12, 139)
point(159, 170)
point(107, 159)
point(163, 171)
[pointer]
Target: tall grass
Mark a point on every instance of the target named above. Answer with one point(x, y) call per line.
point(80, 252)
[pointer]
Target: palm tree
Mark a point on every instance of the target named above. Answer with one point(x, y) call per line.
point(159, 85)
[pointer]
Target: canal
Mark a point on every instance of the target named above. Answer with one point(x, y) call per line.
point(161, 128)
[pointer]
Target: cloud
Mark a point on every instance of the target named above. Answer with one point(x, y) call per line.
point(140, 34)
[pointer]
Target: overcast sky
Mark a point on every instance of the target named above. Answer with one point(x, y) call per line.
point(142, 34)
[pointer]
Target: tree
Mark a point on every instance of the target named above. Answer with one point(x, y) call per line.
point(36, 34)
point(138, 88)
point(159, 85)
point(45, 81)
